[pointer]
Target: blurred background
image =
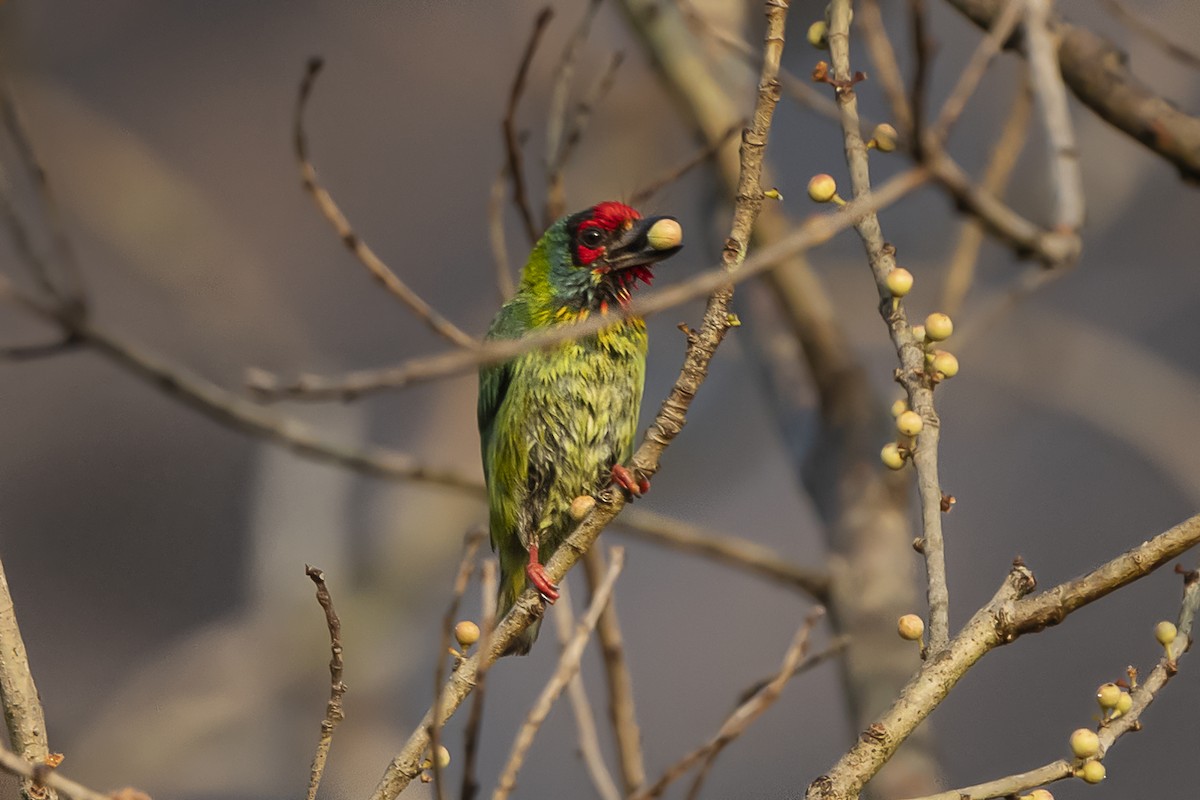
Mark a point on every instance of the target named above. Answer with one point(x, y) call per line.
point(156, 558)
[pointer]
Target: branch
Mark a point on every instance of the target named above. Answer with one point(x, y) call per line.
point(912, 374)
point(814, 231)
point(512, 144)
point(1005, 618)
point(741, 718)
point(496, 239)
point(334, 713)
point(568, 666)
point(334, 216)
point(1142, 696)
point(1097, 72)
point(41, 776)
point(621, 708)
point(488, 592)
point(742, 554)
point(1066, 181)
point(668, 423)
point(1152, 34)
point(707, 153)
point(581, 707)
point(23, 715)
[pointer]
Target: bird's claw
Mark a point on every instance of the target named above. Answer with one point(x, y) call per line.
point(541, 581)
point(636, 486)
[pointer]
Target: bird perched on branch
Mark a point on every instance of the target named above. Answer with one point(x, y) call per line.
point(559, 423)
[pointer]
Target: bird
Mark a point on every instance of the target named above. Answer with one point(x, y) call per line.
point(559, 423)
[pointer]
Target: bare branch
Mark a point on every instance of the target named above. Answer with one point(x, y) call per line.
point(1097, 73)
point(496, 239)
point(29, 352)
point(1045, 76)
point(488, 590)
point(1152, 34)
point(354, 243)
point(909, 350)
point(581, 707)
point(741, 718)
point(23, 715)
point(743, 554)
point(1005, 618)
point(556, 116)
point(706, 154)
point(512, 143)
point(42, 776)
point(671, 418)
point(621, 707)
point(568, 666)
point(334, 713)
point(810, 233)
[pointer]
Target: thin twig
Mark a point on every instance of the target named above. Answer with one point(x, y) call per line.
point(1045, 75)
point(670, 420)
point(556, 115)
point(466, 566)
point(353, 242)
point(512, 144)
point(487, 586)
point(496, 239)
point(707, 153)
point(960, 274)
point(887, 69)
point(743, 554)
point(581, 707)
point(23, 714)
point(835, 648)
point(1004, 619)
point(617, 680)
point(922, 56)
point(968, 80)
point(568, 666)
point(741, 718)
point(1142, 696)
point(42, 776)
point(71, 291)
point(1152, 34)
point(30, 352)
point(334, 713)
point(909, 350)
point(816, 230)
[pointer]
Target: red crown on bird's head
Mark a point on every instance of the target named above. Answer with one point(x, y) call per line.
point(610, 216)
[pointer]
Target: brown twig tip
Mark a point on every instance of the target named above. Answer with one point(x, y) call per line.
point(334, 712)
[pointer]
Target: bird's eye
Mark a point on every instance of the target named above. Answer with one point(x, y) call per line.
point(591, 237)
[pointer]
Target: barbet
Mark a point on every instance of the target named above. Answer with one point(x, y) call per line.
point(559, 423)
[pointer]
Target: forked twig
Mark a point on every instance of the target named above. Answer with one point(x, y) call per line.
point(334, 216)
point(512, 143)
point(568, 666)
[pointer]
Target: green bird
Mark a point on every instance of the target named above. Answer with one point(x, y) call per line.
point(559, 423)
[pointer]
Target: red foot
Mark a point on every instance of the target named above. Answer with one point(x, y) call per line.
point(536, 574)
point(624, 478)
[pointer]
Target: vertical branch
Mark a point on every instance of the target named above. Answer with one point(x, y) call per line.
point(512, 143)
point(487, 585)
point(22, 706)
point(881, 258)
point(1051, 94)
point(334, 713)
point(581, 707)
point(617, 678)
point(568, 666)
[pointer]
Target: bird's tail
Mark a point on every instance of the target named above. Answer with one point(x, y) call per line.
point(512, 585)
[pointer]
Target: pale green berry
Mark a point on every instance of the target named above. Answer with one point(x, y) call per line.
point(443, 756)
point(822, 188)
point(884, 137)
point(891, 456)
point(946, 363)
point(582, 506)
point(1038, 794)
point(1165, 632)
point(1085, 743)
point(1108, 695)
point(466, 632)
point(1092, 772)
point(910, 627)
point(899, 407)
point(909, 423)
point(899, 282)
point(938, 327)
point(919, 332)
point(818, 35)
point(1124, 703)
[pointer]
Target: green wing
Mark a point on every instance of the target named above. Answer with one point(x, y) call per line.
point(494, 379)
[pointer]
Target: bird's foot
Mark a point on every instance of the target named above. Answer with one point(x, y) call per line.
point(537, 576)
point(636, 486)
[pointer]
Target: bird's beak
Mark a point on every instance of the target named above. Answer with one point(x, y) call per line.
point(646, 242)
